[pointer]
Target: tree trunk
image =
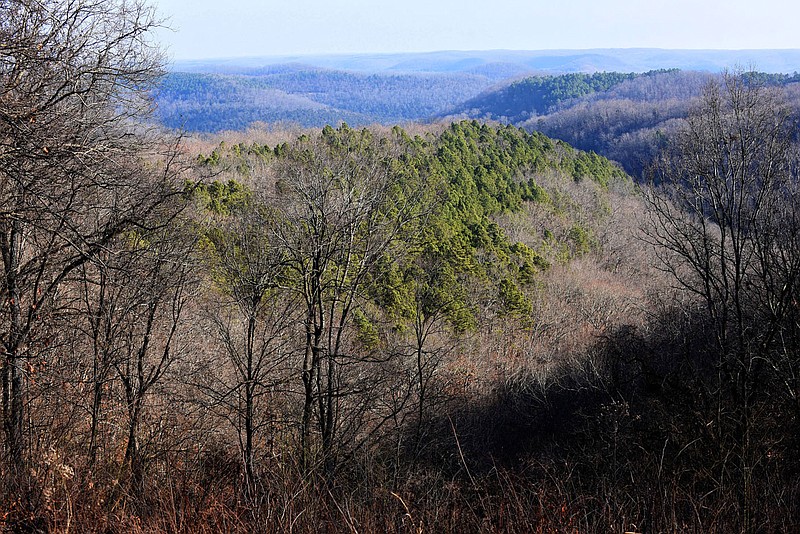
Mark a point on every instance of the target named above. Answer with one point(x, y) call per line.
point(13, 385)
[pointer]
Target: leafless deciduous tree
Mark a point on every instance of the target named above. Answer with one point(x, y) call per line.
point(158, 279)
point(343, 208)
point(725, 220)
point(74, 77)
point(255, 321)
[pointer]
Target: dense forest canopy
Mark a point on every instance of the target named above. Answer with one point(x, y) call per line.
point(518, 62)
point(479, 172)
point(464, 326)
point(310, 97)
point(539, 94)
point(622, 116)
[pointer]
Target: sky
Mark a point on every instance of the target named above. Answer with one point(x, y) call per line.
point(204, 29)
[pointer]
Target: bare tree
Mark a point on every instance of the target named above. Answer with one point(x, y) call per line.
point(725, 221)
point(343, 208)
point(159, 280)
point(103, 303)
point(254, 317)
point(440, 310)
point(74, 77)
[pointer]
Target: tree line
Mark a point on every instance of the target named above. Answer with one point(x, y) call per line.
point(460, 328)
point(310, 97)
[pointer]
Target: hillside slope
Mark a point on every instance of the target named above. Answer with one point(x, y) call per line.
point(624, 117)
point(204, 102)
point(517, 61)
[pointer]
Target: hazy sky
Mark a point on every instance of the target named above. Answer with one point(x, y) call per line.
point(211, 28)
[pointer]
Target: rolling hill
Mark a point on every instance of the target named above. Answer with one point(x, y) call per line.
point(614, 102)
point(516, 62)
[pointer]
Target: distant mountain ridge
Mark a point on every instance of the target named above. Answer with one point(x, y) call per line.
point(622, 116)
point(309, 96)
point(618, 103)
point(507, 63)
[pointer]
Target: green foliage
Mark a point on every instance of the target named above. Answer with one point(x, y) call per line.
point(529, 262)
point(597, 168)
point(473, 174)
point(753, 78)
point(513, 299)
point(489, 171)
point(540, 94)
point(366, 332)
point(239, 157)
point(580, 238)
point(390, 289)
point(218, 197)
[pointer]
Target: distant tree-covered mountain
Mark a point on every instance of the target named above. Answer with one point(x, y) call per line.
point(308, 96)
point(214, 102)
point(622, 113)
point(501, 64)
point(624, 117)
point(630, 122)
point(536, 95)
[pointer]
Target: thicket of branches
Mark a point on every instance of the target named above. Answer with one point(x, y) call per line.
point(365, 330)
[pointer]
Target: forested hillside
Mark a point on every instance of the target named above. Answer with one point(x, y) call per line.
point(306, 96)
point(624, 117)
point(455, 327)
point(538, 95)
